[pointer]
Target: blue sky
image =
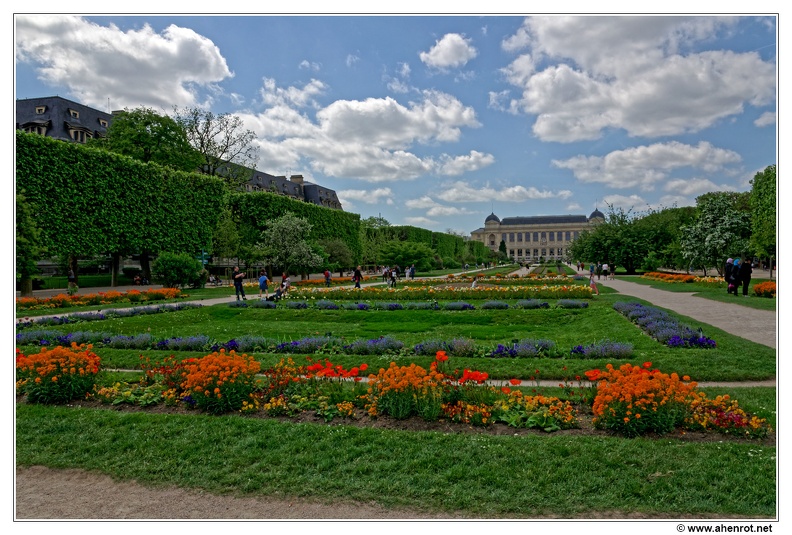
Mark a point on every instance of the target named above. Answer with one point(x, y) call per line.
point(435, 121)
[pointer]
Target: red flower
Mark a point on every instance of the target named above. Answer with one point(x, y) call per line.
point(441, 356)
point(515, 382)
point(592, 375)
point(647, 365)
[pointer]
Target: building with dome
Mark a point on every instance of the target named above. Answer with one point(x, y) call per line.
point(529, 239)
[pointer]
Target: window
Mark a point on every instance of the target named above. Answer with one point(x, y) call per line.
point(79, 136)
point(527, 236)
point(568, 235)
point(511, 238)
point(536, 236)
point(544, 235)
point(503, 237)
point(40, 110)
point(552, 236)
point(40, 130)
point(544, 252)
point(519, 253)
point(536, 253)
point(552, 252)
point(103, 122)
point(511, 253)
point(74, 113)
point(559, 235)
point(519, 236)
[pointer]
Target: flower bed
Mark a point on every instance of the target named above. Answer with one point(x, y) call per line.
point(684, 278)
point(428, 292)
point(663, 327)
point(79, 317)
point(100, 298)
point(765, 289)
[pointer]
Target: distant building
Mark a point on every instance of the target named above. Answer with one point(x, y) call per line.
point(66, 120)
point(529, 239)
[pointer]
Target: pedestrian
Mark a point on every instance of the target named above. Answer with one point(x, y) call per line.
point(358, 275)
point(593, 284)
point(728, 273)
point(238, 277)
point(599, 270)
point(744, 274)
point(394, 276)
point(735, 275)
point(605, 271)
point(285, 282)
point(72, 280)
point(412, 272)
point(591, 269)
point(263, 286)
point(327, 277)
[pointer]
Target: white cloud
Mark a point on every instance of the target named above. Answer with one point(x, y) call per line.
point(310, 65)
point(420, 221)
point(273, 95)
point(434, 208)
point(632, 73)
point(375, 196)
point(693, 187)
point(625, 202)
point(645, 166)
point(766, 119)
point(352, 59)
point(453, 166)
point(464, 192)
point(452, 51)
point(130, 68)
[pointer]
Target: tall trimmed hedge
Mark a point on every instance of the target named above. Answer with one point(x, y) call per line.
point(254, 210)
point(88, 202)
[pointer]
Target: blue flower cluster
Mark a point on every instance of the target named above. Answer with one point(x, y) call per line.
point(603, 349)
point(377, 346)
point(663, 327)
point(458, 347)
point(78, 317)
point(525, 349)
point(324, 304)
point(459, 305)
point(307, 345)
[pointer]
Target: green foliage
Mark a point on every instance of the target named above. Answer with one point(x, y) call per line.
point(226, 240)
point(174, 270)
point(407, 253)
point(721, 229)
point(28, 244)
point(283, 245)
point(763, 211)
point(88, 202)
point(339, 255)
point(145, 135)
point(255, 211)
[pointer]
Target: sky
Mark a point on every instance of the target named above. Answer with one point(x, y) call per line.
point(438, 120)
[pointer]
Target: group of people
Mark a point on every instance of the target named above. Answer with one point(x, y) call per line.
point(239, 277)
point(601, 270)
point(738, 273)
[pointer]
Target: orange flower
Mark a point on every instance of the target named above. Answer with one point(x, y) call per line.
point(647, 365)
point(515, 382)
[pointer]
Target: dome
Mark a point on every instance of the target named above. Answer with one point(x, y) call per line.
point(596, 214)
point(492, 217)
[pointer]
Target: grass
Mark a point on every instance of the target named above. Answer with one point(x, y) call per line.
point(566, 327)
point(481, 476)
point(709, 292)
point(477, 475)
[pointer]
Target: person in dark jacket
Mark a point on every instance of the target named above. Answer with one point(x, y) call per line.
point(744, 275)
point(728, 273)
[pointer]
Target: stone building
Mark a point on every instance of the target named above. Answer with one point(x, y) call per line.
point(529, 239)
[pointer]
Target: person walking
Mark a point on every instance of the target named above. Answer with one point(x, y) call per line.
point(327, 277)
point(605, 271)
point(744, 273)
point(238, 277)
point(263, 286)
point(728, 276)
point(358, 275)
point(593, 284)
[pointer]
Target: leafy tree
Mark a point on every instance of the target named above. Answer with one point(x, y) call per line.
point(226, 148)
point(407, 253)
point(283, 245)
point(147, 136)
point(763, 212)
point(174, 270)
point(339, 255)
point(503, 254)
point(722, 228)
point(374, 222)
point(28, 245)
point(660, 230)
point(226, 240)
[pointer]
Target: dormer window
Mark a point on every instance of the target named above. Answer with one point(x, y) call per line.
point(74, 113)
point(103, 122)
point(40, 110)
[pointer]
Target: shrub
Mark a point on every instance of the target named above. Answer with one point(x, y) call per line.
point(296, 304)
point(458, 347)
point(57, 375)
point(261, 303)
point(532, 303)
point(490, 305)
point(174, 270)
point(524, 349)
point(377, 346)
point(221, 382)
point(459, 306)
point(356, 306)
point(765, 289)
point(603, 349)
point(324, 304)
point(571, 303)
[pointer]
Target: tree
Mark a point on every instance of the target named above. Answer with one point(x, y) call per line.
point(502, 252)
point(226, 148)
point(763, 212)
point(173, 270)
point(721, 229)
point(407, 253)
point(339, 255)
point(374, 222)
point(28, 245)
point(283, 245)
point(147, 136)
point(226, 240)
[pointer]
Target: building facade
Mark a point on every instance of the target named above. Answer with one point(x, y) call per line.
point(530, 239)
point(65, 120)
